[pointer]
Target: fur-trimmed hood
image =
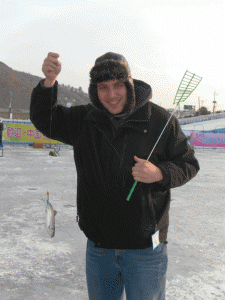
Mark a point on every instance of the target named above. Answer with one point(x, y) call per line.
point(111, 66)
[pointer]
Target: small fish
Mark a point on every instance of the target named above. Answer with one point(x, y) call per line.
point(50, 218)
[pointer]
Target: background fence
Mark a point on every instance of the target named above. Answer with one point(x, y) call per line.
point(23, 133)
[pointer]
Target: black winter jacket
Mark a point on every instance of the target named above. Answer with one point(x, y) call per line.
point(104, 158)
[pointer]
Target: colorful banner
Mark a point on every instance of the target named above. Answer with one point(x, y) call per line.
point(24, 133)
point(201, 139)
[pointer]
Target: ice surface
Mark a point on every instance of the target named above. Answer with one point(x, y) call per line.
point(34, 266)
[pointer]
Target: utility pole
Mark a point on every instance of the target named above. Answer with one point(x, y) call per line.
point(199, 106)
point(202, 102)
point(214, 102)
point(10, 106)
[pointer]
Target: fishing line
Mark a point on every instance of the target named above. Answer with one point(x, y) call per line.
point(47, 200)
point(55, 151)
point(51, 152)
point(50, 213)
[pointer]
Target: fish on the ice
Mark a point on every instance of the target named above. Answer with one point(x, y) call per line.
point(50, 219)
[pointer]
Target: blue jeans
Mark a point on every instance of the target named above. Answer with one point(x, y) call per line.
point(142, 272)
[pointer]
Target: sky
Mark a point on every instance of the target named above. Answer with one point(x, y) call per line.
point(160, 40)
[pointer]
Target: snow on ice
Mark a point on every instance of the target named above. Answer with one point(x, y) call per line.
point(34, 266)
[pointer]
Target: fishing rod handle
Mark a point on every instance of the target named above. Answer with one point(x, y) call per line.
point(131, 191)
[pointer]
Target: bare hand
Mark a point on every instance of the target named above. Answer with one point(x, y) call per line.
point(51, 68)
point(146, 172)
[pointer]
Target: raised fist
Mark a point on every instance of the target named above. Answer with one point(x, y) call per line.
point(51, 69)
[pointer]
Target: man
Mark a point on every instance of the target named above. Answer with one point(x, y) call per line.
point(112, 138)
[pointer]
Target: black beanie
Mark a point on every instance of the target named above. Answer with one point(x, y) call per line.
point(111, 66)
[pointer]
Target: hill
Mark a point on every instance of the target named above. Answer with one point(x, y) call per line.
point(18, 86)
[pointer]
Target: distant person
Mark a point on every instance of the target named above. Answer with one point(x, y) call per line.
point(1, 131)
point(112, 138)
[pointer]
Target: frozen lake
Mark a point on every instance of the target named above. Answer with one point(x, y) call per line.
point(35, 267)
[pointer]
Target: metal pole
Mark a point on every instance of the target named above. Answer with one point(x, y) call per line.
point(10, 106)
point(214, 102)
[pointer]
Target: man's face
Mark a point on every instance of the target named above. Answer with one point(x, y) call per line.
point(113, 95)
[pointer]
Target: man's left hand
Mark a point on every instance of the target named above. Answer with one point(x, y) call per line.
point(146, 172)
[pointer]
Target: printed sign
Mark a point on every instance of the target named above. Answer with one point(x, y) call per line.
point(24, 133)
point(201, 139)
point(188, 106)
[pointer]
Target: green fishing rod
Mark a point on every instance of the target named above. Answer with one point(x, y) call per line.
point(188, 84)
